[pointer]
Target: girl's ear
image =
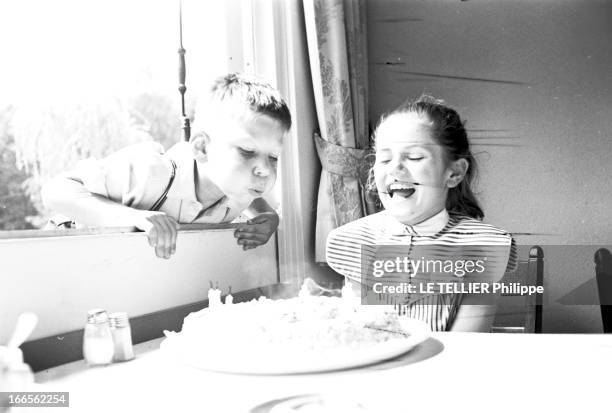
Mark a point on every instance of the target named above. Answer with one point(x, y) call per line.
point(457, 171)
point(199, 143)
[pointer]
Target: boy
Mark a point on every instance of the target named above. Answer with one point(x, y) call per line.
point(229, 163)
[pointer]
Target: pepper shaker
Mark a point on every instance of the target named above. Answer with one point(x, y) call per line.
point(122, 336)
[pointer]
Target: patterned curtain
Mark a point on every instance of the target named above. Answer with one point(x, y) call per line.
point(336, 34)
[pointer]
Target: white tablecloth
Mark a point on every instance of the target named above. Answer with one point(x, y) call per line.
point(450, 372)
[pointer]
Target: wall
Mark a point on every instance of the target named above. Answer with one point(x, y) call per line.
point(534, 81)
point(60, 278)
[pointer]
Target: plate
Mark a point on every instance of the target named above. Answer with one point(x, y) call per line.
point(413, 332)
point(312, 403)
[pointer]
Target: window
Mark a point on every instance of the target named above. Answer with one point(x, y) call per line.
point(84, 78)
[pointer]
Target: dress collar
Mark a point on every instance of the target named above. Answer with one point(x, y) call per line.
point(184, 186)
point(430, 226)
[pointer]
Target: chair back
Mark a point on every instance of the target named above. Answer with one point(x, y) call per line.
point(522, 313)
point(603, 273)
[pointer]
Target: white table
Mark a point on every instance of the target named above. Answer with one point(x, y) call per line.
point(450, 372)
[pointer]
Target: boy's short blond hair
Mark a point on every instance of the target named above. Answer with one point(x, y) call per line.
point(239, 95)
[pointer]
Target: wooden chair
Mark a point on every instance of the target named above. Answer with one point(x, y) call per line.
point(522, 313)
point(603, 273)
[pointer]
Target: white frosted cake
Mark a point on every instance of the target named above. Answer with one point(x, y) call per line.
point(305, 327)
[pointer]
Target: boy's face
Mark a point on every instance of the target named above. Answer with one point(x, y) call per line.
point(242, 155)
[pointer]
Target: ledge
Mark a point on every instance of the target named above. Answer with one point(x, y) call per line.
point(40, 233)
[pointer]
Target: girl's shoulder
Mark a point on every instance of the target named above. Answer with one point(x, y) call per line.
point(466, 225)
point(363, 229)
point(344, 245)
point(467, 230)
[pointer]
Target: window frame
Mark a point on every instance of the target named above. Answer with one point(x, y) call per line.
point(70, 232)
point(262, 21)
point(240, 59)
point(284, 65)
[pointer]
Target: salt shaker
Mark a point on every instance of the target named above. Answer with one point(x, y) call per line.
point(122, 336)
point(98, 346)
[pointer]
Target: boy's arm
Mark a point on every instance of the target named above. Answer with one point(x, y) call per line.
point(263, 222)
point(88, 196)
point(68, 195)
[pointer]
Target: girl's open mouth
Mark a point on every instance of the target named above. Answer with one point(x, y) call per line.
point(403, 190)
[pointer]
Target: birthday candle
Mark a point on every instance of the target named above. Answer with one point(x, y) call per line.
point(214, 296)
point(229, 299)
point(349, 301)
point(304, 291)
point(347, 291)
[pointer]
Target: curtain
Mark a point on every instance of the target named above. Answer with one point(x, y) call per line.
point(336, 35)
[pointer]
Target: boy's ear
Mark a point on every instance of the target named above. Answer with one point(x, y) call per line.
point(457, 171)
point(199, 143)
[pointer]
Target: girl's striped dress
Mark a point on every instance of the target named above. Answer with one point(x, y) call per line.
point(351, 245)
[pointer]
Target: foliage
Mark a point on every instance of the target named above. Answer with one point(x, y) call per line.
point(51, 137)
point(157, 115)
point(15, 204)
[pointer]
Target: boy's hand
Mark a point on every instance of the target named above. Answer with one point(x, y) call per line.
point(161, 231)
point(257, 231)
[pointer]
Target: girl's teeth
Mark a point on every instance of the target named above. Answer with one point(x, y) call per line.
point(399, 186)
point(405, 189)
point(406, 192)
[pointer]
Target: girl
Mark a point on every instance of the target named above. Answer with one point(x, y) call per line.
point(423, 173)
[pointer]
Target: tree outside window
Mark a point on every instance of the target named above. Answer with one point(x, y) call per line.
point(83, 78)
